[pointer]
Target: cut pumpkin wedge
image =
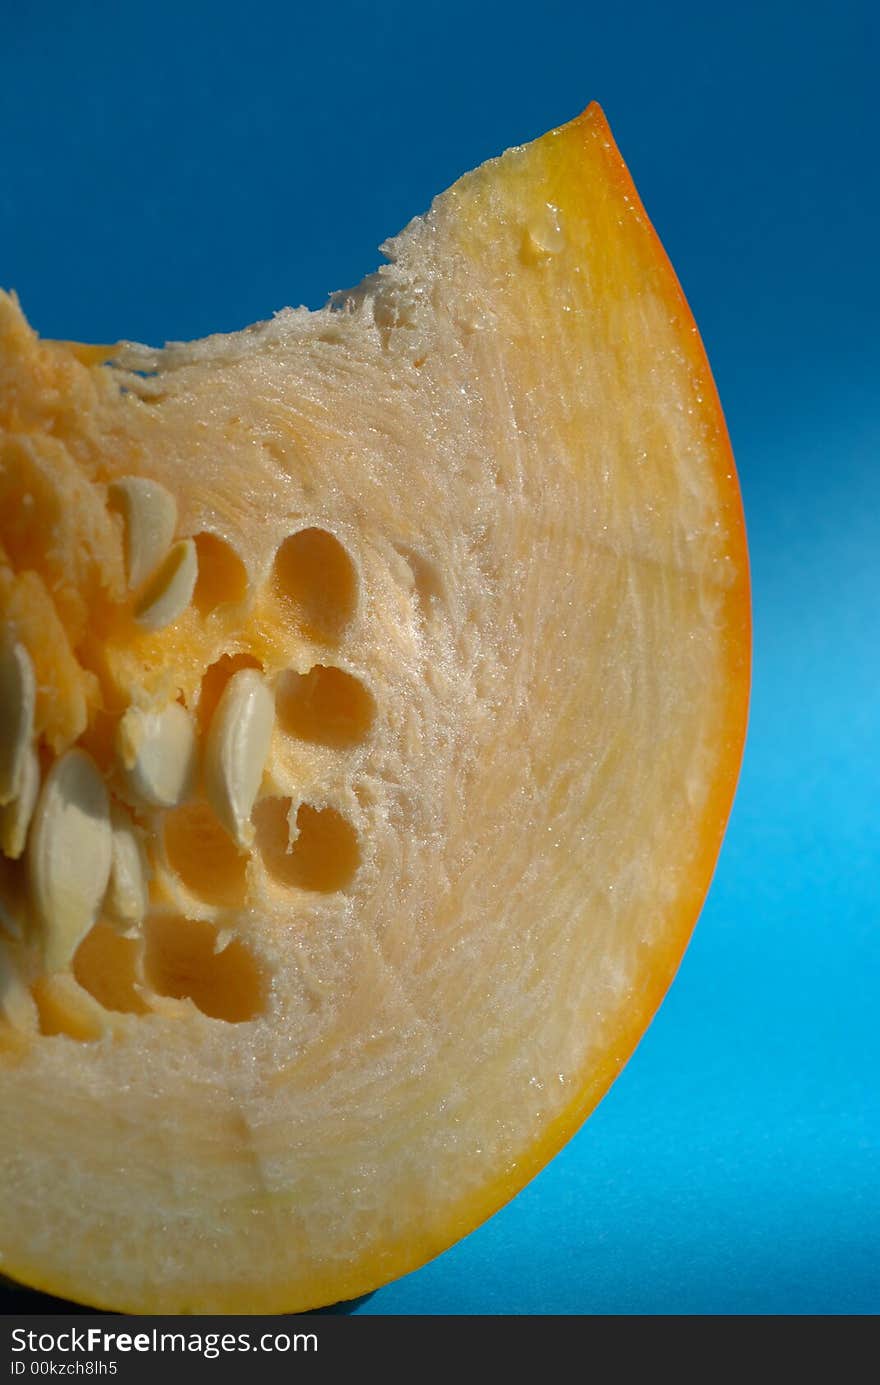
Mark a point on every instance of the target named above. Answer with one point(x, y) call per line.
point(388, 673)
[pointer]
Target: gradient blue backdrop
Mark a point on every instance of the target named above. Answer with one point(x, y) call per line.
point(172, 168)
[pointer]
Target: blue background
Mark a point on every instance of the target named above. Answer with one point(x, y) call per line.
point(174, 168)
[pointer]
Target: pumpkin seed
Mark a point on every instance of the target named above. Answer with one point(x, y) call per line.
point(18, 690)
point(157, 750)
point(236, 751)
point(69, 853)
point(150, 515)
point(169, 591)
point(15, 816)
point(127, 892)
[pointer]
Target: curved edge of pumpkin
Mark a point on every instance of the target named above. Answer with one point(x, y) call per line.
point(593, 125)
point(473, 1211)
point(477, 1209)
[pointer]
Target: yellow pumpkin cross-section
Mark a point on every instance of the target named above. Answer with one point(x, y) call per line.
point(373, 685)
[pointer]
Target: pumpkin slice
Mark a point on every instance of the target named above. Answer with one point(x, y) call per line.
point(385, 674)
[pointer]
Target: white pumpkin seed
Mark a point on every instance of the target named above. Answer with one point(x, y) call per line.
point(236, 751)
point(150, 515)
point(15, 816)
point(17, 1005)
point(69, 852)
point(157, 750)
point(127, 892)
point(169, 591)
point(18, 691)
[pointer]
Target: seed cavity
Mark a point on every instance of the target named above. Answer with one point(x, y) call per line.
point(185, 959)
point(15, 816)
point(18, 689)
point(204, 857)
point(222, 579)
point(157, 751)
point(14, 906)
point(316, 580)
point(325, 706)
point(321, 855)
point(69, 855)
point(236, 751)
point(169, 592)
point(64, 1007)
point(149, 512)
point(108, 966)
point(128, 893)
